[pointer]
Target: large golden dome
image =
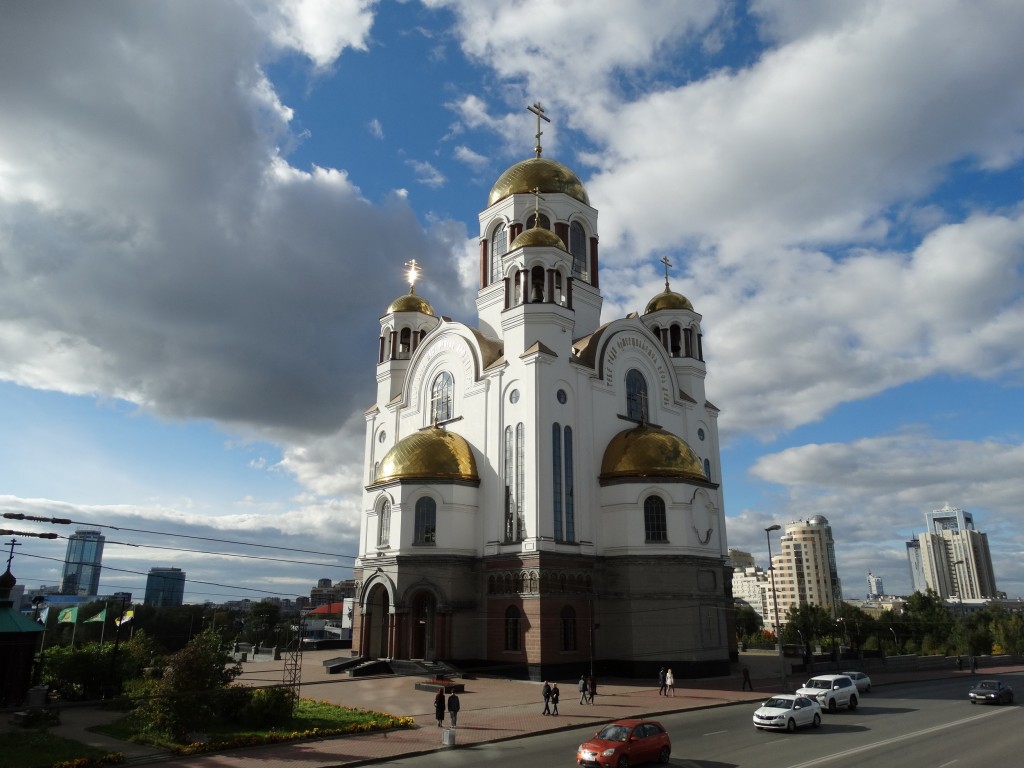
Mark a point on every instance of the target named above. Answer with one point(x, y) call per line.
point(537, 237)
point(668, 300)
point(431, 454)
point(647, 451)
point(538, 173)
point(410, 302)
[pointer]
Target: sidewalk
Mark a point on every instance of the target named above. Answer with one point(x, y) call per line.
point(492, 710)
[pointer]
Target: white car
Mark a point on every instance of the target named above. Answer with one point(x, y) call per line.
point(862, 681)
point(787, 712)
point(831, 691)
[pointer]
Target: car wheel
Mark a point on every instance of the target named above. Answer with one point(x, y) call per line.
point(973, 701)
point(817, 720)
point(791, 725)
point(623, 762)
point(831, 705)
point(853, 703)
point(664, 755)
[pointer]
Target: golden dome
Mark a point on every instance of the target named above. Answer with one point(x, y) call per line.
point(538, 173)
point(668, 300)
point(537, 237)
point(410, 302)
point(647, 451)
point(430, 454)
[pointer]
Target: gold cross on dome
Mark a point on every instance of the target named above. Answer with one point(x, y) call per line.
point(667, 263)
point(538, 110)
point(413, 272)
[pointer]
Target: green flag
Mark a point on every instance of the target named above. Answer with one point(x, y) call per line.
point(68, 616)
point(101, 616)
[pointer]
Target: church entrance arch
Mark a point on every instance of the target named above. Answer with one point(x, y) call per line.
point(377, 623)
point(423, 643)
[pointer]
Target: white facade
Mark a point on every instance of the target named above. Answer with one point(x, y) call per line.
point(954, 558)
point(805, 568)
point(543, 473)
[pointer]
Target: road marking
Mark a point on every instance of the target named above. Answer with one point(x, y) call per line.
point(715, 733)
point(893, 740)
point(951, 762)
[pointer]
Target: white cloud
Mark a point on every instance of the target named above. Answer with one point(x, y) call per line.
point(321, 29)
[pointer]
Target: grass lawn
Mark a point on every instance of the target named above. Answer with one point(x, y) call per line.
point(311, 719)
point(38, 749)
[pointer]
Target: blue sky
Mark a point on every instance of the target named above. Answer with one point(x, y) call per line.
point(205, 207)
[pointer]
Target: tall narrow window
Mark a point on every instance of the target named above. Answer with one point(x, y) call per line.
point(569, 490)
point(441, 398)
point(655, 524)
point(499, 247)
point(515, 483)
point(556, 478)
point(707, 468)
point(520, 478)
point(426, 521)
point(511, 628)
point(636, 395)
point(384, 525)
point(578, 249)
point(568, 622)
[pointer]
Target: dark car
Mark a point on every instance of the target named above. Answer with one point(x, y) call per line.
point(624, 743)
point(991, 692)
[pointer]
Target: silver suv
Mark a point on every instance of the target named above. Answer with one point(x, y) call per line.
point(831, 691)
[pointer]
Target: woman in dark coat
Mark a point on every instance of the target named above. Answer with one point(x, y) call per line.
point(439, 707)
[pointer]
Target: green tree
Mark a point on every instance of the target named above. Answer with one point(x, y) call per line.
point(748, 621)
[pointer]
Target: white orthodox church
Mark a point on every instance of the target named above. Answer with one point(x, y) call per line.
point(543, 491)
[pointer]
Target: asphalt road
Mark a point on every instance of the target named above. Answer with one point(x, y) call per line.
point(915, 725)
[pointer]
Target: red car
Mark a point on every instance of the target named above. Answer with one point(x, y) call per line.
point(624, 743)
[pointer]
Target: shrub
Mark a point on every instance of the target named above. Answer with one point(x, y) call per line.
point(267, 707)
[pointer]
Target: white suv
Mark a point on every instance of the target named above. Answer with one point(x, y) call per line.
point(831, 691)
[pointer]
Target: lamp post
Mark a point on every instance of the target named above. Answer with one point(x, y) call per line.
point(895, 642)
point(845, 637)
point(775, 602)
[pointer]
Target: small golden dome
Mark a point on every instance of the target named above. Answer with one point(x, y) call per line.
point(668, 300)
point(537, 237)
point(538, 173)
point(646, 451)
point(410, 302)
point(430, 454)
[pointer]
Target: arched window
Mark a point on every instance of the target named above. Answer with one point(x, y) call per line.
point(556, 477)
point(384, 525)
point(561, 483)
point(545, 222)
point(578, 249)
point(426, 521)
point(636, 395)
point(520, 477)
point(655, 523)
point(568, 621)
point(499, 247)
point(570, 507)
point(537, 294)
point(404, 344)
point(675, 342)
point(442, 398)
point(512, 628)
point(515, 483)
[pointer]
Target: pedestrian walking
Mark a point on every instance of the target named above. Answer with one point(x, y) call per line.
point(547, 698)
point(554, 699)
point(583, 689)
point(974, 665)
point(746, 679)
point(439, 707)
point(670, 682)
point(591, 688)
point(661, 682)
point(453, 708)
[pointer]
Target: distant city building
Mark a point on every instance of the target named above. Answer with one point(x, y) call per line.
point(82, 563)
point(326, 592)
point(917, 582)
point(952, 558)
point(805, 570)
point(165, 587)
point(740, 559)
point(875, 589)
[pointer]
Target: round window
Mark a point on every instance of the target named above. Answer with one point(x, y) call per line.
point(514, 396)
point(700, 434)
point(562, 397)
point(382, 436)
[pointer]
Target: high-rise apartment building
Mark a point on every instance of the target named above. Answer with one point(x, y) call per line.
point(82, 564)
point(951, 557)
point(805, 569)
point(875, 589)
point(165, 587)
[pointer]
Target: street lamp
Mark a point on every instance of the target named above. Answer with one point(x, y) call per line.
point(775, 602)
point(895, 642)
point(846, 638)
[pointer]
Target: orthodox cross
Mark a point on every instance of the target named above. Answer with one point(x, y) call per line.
point(538, 110)
point(667, 263)
point(412, 273)
point(536, 207)
point(12, 544)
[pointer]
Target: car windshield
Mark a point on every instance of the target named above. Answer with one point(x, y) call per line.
point(779, 703)
point(614, 733)
point(823, 684)
point(989, 685)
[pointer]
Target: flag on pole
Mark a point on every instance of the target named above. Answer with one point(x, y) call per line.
point(101, 616)
point(68, 616)
point(125, 617)
point(44, 615)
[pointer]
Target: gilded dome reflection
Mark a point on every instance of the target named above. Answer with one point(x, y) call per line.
point(410, 302)
point(538, 173)
point(668, 300)
point(537, 237)
point(430, 454)
point(646, 451)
